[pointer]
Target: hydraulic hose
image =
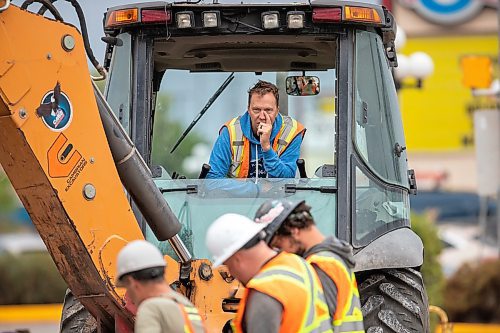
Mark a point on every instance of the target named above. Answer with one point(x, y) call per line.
point(136, 176)
point(45, 4)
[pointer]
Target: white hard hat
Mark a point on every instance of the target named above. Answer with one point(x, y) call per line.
point(228, 234)
point(138, 255)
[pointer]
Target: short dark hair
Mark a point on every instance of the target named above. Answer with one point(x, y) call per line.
point(153, 274)
point(263, 87)
point(300, 218)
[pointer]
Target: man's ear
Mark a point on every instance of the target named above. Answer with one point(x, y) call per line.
point(295, 232)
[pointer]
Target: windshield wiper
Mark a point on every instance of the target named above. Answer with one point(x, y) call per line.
point(211, 100)
point(292, 188)
point(190, 189)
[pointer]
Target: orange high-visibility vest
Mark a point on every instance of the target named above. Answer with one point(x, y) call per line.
point(347, 317)
point(240, 145)
point(291, 281)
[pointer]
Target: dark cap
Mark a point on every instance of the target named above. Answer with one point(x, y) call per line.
point(274, 213)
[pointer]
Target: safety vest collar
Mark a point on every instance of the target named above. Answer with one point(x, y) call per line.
point(240, 144)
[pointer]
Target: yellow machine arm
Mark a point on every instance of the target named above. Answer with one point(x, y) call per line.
point(59, 162)
point(54, 149)
point(58, 159)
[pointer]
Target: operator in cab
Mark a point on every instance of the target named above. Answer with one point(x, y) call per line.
point(261, 143)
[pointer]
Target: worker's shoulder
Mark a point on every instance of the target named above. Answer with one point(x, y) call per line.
point(157, 302)
point(170, 300)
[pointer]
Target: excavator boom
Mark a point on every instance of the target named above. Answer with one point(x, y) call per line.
point(59, 161)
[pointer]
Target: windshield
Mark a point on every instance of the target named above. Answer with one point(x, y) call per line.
point(181, 97)
point(198, 202)
point(189, 107)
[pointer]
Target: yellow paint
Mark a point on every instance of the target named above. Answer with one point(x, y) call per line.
point(27, 313)
point(473, 328)
point(435, 117)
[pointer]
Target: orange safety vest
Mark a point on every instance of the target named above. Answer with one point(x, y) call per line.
point(291, 281)
point(240, 145)
point(347, 317)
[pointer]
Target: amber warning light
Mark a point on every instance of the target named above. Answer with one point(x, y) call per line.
point(123, 16)
point(361, 14)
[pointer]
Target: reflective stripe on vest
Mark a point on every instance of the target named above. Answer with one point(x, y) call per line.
point(347, 317)
point(292, 282)
point(193, 323)
point(240, 145)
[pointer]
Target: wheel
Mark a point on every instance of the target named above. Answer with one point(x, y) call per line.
point(75, 318)
point(394, 300)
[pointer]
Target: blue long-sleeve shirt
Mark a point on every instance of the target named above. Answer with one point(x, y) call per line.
point(270, 164)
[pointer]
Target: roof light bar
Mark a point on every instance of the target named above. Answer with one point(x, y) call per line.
point(295, 20)
point(211, 19)
point(156, 16)
point(270, 20)
point(362, 14)
point(123, 16)
point(185, 20)
point(327, 15)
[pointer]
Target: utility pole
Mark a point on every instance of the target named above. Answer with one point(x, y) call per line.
point(478, 70)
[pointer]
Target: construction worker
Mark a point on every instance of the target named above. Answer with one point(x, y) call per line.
point(141, 269)
point(260, 143)
point(283, 294)
point(291, 228)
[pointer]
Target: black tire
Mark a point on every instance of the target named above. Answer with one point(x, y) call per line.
point(75, 318)
point(394, 300)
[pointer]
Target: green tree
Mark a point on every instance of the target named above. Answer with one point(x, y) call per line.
point(30, 278)
point(7, 197)
point(431, 269)
point(166, 133)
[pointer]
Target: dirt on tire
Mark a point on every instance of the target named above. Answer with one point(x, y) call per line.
point(394, 300)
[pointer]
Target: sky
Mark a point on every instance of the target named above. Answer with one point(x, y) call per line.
point(94, 12)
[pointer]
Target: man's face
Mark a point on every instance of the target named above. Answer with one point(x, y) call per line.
point(288, 244)
point(262, 109)
point(134, 290)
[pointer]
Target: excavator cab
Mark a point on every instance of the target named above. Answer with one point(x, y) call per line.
point(180, 55)
point(170, 63)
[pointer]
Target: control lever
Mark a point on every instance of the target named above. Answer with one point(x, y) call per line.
point(204, 171)
point(301, 164)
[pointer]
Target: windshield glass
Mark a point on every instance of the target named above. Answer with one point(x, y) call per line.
point(378, 128)
point(118, 86)
point(183, 95)
point(198, 202)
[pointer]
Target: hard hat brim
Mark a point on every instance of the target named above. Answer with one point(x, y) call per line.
point(273, 227)
point(119, 282)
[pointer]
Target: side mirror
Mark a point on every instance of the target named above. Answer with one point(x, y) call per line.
point(302, 85)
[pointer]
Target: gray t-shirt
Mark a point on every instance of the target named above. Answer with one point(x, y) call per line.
point(263, 313)
point(163, 314)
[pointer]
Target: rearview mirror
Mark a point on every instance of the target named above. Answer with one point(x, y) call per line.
point(302, 85)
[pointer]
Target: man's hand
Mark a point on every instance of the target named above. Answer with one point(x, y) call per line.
point(264, 132)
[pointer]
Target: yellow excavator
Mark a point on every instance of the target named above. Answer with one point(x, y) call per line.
point(81, 161)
